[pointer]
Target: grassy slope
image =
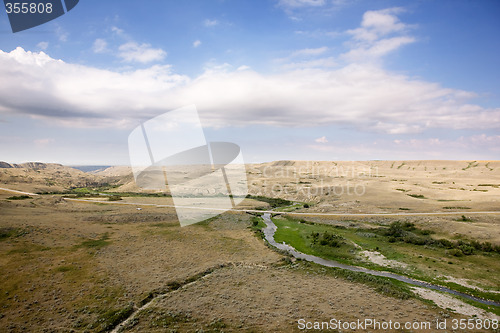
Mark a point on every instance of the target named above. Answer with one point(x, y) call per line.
point(426, 263)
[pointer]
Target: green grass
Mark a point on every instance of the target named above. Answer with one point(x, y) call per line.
point(257, 224)
point(164, 225)
point(291, 208)
point(96, 243)
point(300, 236)
point(65, 268)
point(168, 319)
point(111, 318)
point(99, 191)
point(386, 286)
point(8, 232)
point(27, 248)
point(273, 202)
point(405, 243)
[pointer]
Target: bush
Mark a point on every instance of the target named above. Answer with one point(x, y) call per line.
point(446, 243)
point(466, 249)
point(455, 252)
point(19, 197)
point(327, 239)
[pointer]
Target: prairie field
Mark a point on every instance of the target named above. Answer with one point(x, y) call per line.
point(74, 258)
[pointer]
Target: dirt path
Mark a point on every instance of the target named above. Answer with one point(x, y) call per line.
point(275, 212)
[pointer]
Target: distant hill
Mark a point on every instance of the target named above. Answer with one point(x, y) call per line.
point(28, 165)
point(91, 168)
point(47, 177)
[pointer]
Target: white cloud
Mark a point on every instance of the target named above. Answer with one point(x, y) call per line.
point(210, 23)
point(197, 43)
point(291, 61)
point(309, 52)
point(143, 53)
point(43, 142)
point(62, 34)
point(77, 95)
point(310, 91)
point(301, 3)
point(117, 31)
point(375, 37)
point(376, 24)
point(469, 143)
point(100, 46)
point(316, 63)
point(360, 96)
point(318, 33)
point(43, 45)
point(323, 139)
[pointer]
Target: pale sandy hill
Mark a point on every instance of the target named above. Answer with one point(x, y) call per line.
point(381, 186)
point(45, 177)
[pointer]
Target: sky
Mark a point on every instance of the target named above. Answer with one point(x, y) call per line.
point(283, 79)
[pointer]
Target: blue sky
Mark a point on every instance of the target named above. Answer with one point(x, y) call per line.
point(284, 79)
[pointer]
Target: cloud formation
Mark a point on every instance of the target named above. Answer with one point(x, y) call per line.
point(309, 52)
point(100, 46)
point(210, 23)
point(314, 92)
point(43, 45)
point(380, 32)
point(360, 96)
point(323, 139)
point(301, 3)
point(143, 53)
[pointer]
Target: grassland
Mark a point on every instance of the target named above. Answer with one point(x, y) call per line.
point(72, 266)
point(403, 249)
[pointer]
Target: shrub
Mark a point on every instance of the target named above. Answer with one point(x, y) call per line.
point(315, 237)
point(114, 198)
point(466, 249)
point(446, 243)
point(418, 196)
point(455, 252)
point(19, 197)
point(327, 239)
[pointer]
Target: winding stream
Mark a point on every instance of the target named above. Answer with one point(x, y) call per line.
point(271, 228)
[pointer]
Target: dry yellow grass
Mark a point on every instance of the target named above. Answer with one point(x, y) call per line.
point(68, 265)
